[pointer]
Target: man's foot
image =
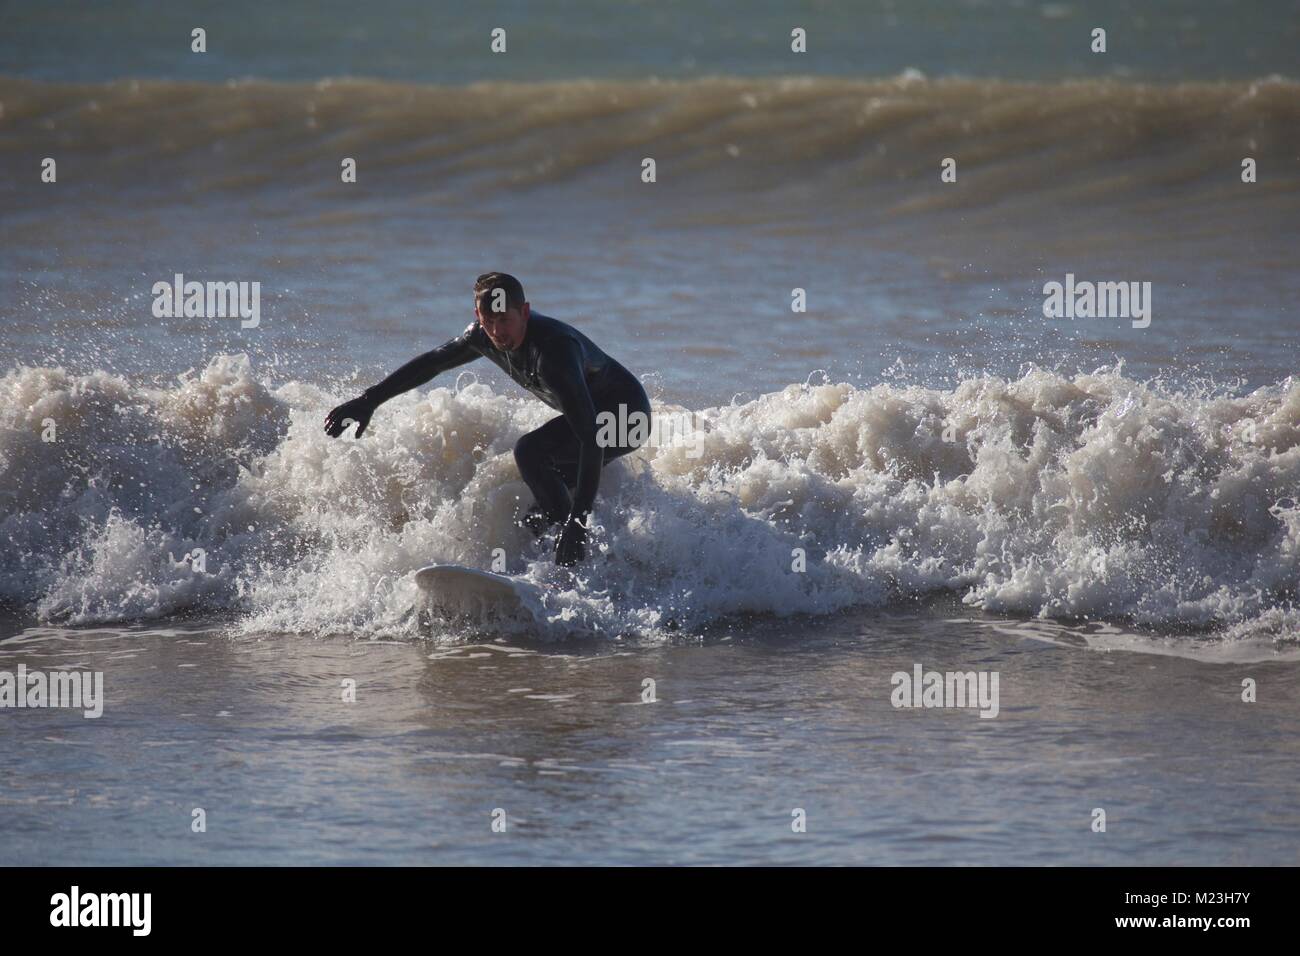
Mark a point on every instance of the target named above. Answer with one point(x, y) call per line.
point(571, 546)
point(536, 521)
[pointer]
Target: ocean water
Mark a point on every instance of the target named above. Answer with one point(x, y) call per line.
point(749, 725)
point(1104, 512)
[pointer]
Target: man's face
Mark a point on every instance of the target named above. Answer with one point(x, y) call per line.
point(505, 329)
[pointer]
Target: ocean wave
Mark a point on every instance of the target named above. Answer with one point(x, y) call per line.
point(1063, 497)
point(849, 144)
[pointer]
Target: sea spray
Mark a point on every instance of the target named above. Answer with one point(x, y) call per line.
point(1092, 495)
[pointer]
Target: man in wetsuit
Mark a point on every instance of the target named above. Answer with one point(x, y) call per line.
point(559, 365)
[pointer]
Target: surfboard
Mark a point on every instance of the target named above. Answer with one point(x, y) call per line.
point(462, 591)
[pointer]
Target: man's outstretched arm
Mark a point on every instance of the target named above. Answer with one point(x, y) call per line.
point(413, 374)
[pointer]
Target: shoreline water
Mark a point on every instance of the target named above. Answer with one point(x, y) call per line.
point(254, 731)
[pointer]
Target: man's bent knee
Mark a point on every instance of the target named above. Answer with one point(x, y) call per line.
point(528, 450)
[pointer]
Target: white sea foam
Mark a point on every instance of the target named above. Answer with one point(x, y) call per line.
point(1095, 496)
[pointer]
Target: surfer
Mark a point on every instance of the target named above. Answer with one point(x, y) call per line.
point(561, 461)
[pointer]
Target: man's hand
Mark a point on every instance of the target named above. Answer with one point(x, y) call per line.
point(571, 547)
point(359, 410)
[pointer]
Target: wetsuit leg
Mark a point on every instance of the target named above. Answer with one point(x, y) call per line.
point(536, 454)
point(548, 456)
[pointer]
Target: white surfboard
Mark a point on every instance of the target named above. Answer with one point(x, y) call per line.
point(459, 590)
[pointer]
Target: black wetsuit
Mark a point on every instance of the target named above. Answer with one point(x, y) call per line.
point(566, 370)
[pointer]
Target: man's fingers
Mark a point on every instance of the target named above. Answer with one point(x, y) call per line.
point(338, 420)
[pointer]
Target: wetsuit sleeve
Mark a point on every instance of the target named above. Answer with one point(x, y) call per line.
point(561, 370)
point(420, 369)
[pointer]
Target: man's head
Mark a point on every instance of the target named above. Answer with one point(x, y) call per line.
point(501, 309)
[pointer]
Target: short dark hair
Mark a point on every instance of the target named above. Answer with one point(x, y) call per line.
point(489, 282)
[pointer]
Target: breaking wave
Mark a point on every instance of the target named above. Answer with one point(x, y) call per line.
point(1062, 497)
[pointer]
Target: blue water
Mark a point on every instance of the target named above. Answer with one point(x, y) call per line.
point(423, 42)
